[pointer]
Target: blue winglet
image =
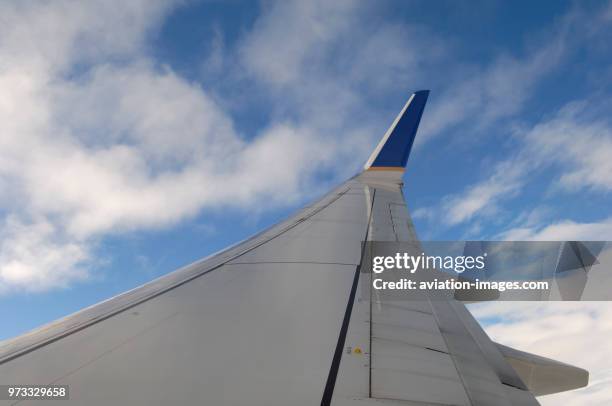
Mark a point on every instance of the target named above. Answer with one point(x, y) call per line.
point(393, 150)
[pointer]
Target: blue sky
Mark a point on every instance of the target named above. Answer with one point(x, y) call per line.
point(137, 138)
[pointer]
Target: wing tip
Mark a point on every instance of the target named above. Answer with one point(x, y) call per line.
point(394, 148)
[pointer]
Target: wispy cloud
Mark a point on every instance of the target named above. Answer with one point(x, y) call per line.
point(573, 142)
point(97, 137)
point(42, 46)
point(493, 92)
point(483, 197)
point(578, 143)
point(564, 230)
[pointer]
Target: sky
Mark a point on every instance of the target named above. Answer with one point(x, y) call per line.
point(137, 137)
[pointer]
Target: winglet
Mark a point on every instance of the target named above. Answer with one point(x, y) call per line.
point(393, 150)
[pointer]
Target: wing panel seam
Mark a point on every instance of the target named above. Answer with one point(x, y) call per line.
point(99, 318)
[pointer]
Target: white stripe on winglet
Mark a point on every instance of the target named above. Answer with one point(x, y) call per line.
point(387, 134)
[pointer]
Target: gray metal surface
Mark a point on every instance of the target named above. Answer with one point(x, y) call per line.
point(259, 324)
point(421, 352)
point(99, 312)
point(254, 325)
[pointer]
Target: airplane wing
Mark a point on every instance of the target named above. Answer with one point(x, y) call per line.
point(278, 320)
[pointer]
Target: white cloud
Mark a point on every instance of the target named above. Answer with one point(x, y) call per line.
point(579, 144)
point(39, 45)
point(576, 142)
point(573, 142)
point(483, 95)
point(291, 38)
point(576, 333)
point(566, 230)
point(95, 139)
point(482, 197)
point(324, 62)
point(47, 37)
point(35, 255)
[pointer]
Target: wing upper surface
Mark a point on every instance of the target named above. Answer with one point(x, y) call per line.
point(280, 319)
point(428, 352)
point(255, 325)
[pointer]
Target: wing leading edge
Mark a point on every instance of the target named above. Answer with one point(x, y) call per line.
point(277, 320)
